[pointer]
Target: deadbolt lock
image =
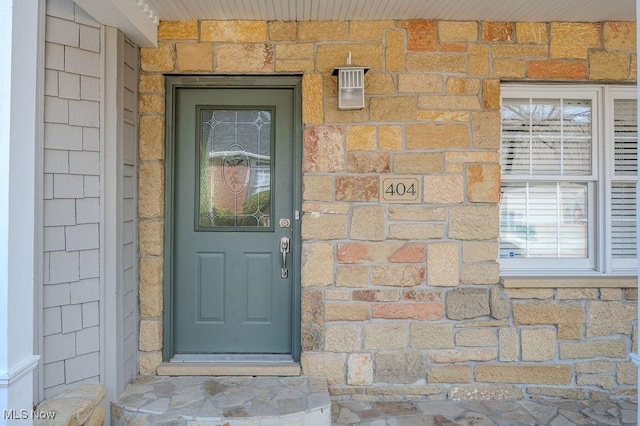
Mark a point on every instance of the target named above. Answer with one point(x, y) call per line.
point(285, 223)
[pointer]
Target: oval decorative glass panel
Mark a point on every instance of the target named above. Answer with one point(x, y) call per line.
point(236, 169)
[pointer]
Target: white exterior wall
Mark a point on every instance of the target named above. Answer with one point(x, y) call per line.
point(71, 252)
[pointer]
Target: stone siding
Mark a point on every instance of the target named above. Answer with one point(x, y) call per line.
point(401, 300)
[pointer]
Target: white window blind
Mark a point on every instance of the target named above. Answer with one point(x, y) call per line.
point(546, 137)
point(544, 220)
point(625, 128)
point(623, 185)
point(623, 220)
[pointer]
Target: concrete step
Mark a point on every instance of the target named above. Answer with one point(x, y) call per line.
point(214, 400)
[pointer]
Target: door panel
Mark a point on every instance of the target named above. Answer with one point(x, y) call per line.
point(211, 286)
point(259, 286)
point(233, 181)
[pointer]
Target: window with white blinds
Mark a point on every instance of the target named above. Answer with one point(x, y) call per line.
point(569, 167)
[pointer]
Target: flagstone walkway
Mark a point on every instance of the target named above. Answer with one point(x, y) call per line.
point(484, 413)
point(304, 401)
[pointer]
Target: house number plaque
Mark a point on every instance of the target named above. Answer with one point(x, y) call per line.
point(400, 189)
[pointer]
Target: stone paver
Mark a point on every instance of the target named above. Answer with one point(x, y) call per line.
point(304, 401)
point(234, 401)
point(484, 413)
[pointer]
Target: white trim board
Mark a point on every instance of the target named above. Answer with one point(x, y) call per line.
point(18, 371)
point(136, 19)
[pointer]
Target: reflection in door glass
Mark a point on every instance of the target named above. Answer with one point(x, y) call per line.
point(235, 168)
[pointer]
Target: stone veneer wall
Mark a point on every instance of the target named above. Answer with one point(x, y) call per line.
point(404, 301)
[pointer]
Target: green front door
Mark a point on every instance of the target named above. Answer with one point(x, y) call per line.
point(234, 219)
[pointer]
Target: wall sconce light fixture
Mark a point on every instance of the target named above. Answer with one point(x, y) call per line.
point(350, 85)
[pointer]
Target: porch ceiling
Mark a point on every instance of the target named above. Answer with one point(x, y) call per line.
point(331, 10)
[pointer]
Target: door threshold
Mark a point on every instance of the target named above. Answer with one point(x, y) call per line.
point(232, 358)
point(229, 368)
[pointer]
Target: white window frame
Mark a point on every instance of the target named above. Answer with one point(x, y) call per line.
point(599, 261)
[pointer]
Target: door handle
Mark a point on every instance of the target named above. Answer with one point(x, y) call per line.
point(284, 249)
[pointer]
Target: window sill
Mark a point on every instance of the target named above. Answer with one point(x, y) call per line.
point(570, 282)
